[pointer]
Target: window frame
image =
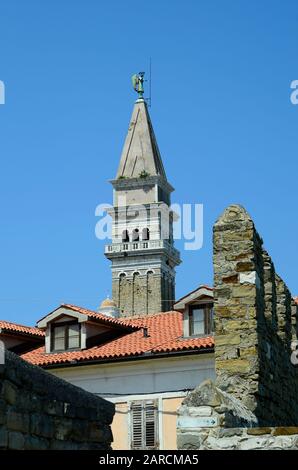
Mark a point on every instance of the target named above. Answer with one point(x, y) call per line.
point(207, 307)
point(144, 408)
point(66, 325)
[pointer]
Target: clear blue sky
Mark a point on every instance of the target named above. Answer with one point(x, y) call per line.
point(221, 111)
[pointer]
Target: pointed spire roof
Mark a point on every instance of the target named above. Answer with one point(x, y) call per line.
point(140, 152)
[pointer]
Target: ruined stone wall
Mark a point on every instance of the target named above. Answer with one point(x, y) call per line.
point(41, 411)
point(269, 438)
point(211, 419)
point(254, 403)
point(255, 323)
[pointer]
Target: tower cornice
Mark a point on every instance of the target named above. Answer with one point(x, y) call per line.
point(133, 183)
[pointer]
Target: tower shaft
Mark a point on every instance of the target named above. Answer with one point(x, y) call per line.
point(142, 250)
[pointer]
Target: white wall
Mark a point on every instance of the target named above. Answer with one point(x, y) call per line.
point(141, 376)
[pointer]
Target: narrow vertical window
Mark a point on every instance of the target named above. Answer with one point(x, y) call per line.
point(125, 236)
point(58, 333)
point(201, 320)
point(145, 234)
point(144, 425)
point(73, 336)
point(135, 235)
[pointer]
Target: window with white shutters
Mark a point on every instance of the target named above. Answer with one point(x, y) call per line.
point(144, 419)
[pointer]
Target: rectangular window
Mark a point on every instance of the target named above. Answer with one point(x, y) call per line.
point(144, 424)
point(73, 336)
point(59, 338)
point(65, 336)
point(201, 320)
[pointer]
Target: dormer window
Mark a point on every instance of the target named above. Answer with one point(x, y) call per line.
point(200, 319)
point(197, 310)
point(71, 328)
point(65, 336)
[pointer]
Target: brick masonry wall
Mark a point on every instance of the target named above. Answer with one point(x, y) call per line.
point(41, 411)
point(255, 323)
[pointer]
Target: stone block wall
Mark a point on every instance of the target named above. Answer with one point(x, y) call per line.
point(40, 411)
point(255, 323)
point(210, 419)
point(280, 438)
point(139, 294)
point(254, 403)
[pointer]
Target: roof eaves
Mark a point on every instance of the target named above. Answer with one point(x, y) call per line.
point(16, 329)
point(202, 286)
point(128, 357)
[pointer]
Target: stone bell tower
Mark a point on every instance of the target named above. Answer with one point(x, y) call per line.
point(142, 250)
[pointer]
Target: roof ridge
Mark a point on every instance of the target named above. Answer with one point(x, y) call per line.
point(152, 315)
point(124, 320)
point(200, 286)
point(20, 324)
point(77, 306)
point(99, 315)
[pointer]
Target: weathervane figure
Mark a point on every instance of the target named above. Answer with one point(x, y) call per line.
point(138, 83)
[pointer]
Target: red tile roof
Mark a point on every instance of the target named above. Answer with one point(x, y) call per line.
point(296, 300)
point(186, 344)
point(8, 327)
point(100, 317)
point(165, 336)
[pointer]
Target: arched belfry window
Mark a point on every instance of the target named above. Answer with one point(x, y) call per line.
point(125, 236)
point(135, 235)
point(145, 234)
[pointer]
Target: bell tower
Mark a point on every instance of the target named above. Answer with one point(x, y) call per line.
point(142, 251)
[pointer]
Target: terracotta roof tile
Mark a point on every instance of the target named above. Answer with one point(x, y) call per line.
point(186, 344)
point(98, 316)
point(165, 335)
point(9, 327)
